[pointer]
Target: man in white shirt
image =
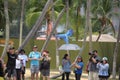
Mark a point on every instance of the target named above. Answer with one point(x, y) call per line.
point(23, 57)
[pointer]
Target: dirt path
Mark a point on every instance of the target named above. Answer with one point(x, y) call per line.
point(53, 73)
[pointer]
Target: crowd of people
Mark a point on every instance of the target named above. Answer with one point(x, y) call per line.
point(15, 68)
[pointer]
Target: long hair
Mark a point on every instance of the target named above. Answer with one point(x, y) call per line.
point(65, 56)
point(80, 58)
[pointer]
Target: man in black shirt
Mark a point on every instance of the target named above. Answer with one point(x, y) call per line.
point(11, 63)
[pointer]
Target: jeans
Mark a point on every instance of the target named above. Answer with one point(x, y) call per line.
point(65, 74)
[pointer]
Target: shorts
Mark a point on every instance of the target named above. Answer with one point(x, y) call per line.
point(34, 69)
point(45, 72)
point(23, 70)
point(11, 73)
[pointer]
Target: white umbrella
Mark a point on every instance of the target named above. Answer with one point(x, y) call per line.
point(69, 47)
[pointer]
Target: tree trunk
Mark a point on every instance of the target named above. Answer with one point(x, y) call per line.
point(21, 22)
point(67, 14)
point(57, 52)
point(88, 23)
point(54, 27)
point(7, 28)
point(115, 54)
point(36, 26)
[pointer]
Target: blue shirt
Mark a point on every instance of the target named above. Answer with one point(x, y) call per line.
point(35, 55)
point(79, 71)
point(66, 65)
point(103, 69)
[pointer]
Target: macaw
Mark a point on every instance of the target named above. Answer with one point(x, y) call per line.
point(65, 36)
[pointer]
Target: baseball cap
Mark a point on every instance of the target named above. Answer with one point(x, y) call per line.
point(11, 48)
point(34, 46)
point(105, 58)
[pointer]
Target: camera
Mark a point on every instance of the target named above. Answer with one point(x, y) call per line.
point(91, 54)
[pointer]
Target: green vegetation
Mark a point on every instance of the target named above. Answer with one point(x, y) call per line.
point(104, 49)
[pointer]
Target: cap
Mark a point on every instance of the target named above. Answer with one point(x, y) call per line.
point(104, 58)
point(22, 50)
point(11, 48)
point(79, 57)
point(34, 46)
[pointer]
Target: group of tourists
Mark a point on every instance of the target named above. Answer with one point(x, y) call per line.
point(40, 62)
point(97, 69)
point(16, 64)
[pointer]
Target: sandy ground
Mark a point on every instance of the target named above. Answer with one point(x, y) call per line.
point(55, 72)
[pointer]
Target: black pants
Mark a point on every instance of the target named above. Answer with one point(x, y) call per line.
point(65, 74)
point(18, 74)
point(77, 76)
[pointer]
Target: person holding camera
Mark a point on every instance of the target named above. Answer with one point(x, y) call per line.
point(92, 67)
point(103, 67)
point(45, 65)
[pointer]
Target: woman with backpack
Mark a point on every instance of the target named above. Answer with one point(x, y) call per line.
point(103, 69)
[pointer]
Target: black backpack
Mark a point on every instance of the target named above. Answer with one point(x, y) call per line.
point(44, 64)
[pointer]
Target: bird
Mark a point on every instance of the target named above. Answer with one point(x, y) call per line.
point(65, 36)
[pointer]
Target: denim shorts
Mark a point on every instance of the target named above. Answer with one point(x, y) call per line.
point(34, 69)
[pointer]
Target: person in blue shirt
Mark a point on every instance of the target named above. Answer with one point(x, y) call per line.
point(78, 65)
point(66, 67)
point(103, 69)
point(34, 58)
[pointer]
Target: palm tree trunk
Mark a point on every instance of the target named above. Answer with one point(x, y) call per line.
point(36, 26)
point(116, 53)
point(57, 52)
point(88, 23)
point(54, 27)
point(21, 22)
point(7, 28)
point(67, 14)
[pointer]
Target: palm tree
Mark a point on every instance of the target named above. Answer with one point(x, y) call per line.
point(7, 28)
point(116, 11)
point(21, 22)
point(88, 23)
point(36, 26)
point(101, 13)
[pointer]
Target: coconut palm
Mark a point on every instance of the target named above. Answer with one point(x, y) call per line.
point(7, 28)
point(21, 21)
point(101, 16)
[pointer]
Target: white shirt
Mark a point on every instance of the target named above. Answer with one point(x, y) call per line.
point(24, 58)
point(18, 64)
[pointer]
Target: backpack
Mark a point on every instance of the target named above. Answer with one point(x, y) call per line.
point(44, 64)
point(109, 72)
